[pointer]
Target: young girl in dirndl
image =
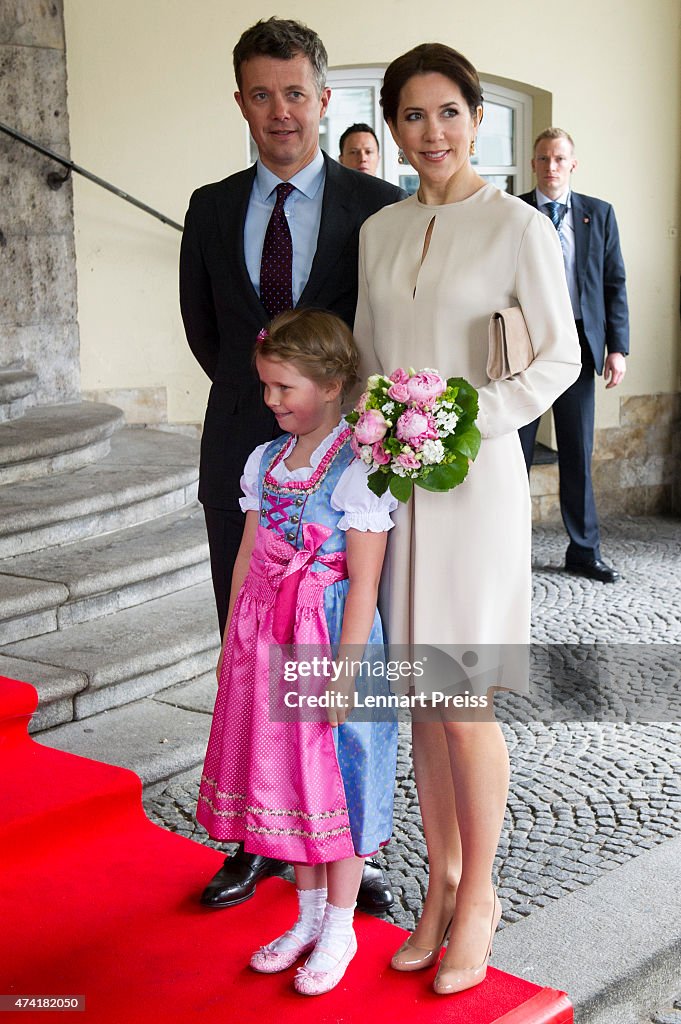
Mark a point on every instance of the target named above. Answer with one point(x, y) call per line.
point(316, 793)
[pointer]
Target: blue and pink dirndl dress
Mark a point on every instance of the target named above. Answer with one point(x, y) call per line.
point(296, 790)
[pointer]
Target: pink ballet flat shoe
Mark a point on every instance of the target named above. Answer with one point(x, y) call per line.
point(449, 980)
point(267, 960)
point(315, 983)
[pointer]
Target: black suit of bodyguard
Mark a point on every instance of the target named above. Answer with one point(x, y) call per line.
point(598, 291)
point(222, 315)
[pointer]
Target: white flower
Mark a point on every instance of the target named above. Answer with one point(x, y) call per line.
point(397, 469)
point(366, 455)
point(432, 452)
point(388, 408)
point(446, 419)
point(373, 381)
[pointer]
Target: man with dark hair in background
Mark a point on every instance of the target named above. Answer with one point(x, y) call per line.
point(358, 148)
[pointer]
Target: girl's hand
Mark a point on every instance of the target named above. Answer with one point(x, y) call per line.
point(343, 693)
point(365, 552)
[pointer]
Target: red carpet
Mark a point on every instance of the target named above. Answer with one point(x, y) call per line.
point(97, 901)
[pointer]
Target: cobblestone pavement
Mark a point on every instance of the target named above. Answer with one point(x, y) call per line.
point(586, 795)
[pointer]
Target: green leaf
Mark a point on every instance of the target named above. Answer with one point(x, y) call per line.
point(468, 442)
point(451, 443)
point(401, 487)
point(378, 483)
point(445, 477)
point(467, 396)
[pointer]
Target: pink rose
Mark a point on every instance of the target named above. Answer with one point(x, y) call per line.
point(380, 455)
point(426, 386)
point(408, 460)
point(362, 402)
point(399, 393)
point(415, 427)
point(400, 376)
point(370, 427)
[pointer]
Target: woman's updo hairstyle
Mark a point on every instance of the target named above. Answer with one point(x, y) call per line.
point(318, 343)
point(422, 60)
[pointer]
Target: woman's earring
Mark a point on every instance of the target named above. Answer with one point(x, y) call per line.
point(472, 147)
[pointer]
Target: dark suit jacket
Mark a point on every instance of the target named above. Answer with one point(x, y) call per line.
point(222, 312)
point(600, 275)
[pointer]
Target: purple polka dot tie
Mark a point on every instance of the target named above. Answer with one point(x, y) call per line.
point(276, 266)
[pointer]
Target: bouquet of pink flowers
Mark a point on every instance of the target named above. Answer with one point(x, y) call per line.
point(415, 428)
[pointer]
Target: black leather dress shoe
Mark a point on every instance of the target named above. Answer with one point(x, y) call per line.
point(235, 881)
point(374, 889)
point(594, 569)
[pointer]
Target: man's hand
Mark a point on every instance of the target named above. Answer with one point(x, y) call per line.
point(614, 369)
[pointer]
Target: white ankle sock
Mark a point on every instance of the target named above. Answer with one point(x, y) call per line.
point(311, 903)
point(333, 939)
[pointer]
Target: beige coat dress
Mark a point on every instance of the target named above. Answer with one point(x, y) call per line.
point(458, 570)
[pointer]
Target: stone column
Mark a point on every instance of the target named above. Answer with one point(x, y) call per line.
point(38, 311)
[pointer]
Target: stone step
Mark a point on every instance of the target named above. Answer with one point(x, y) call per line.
point(152, 737)
point(59, 587)
point(54, 438)
point(28, 607)
point(16, 393)
point(146, 474)
point(120, 658)
point(56, 688)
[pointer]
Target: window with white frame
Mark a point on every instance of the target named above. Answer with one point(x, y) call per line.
point(504, 140)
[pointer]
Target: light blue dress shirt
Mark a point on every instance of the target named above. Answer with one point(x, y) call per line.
point(566, 233)
point(303, 210)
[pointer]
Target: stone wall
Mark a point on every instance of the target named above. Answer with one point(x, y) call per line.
point(38, 310)
point(635, 465)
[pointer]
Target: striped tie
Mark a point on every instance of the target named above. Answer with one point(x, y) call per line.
point(555, 212)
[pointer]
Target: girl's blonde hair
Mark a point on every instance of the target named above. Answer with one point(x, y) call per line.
point(318, 343)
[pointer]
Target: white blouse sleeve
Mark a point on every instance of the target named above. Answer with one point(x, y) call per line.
point(363, 509)
point(249, 480)
point(542, 293)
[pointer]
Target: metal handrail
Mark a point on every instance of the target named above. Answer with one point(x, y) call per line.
point(55, 181)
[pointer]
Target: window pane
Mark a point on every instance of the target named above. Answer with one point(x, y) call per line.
point(495, 138)
point(506, 182)
point(409, 182)
point(349, 105)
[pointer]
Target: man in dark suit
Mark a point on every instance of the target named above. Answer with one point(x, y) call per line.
point(298, 199)
point(596, 281)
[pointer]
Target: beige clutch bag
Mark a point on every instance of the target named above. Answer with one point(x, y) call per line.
point(510, 348)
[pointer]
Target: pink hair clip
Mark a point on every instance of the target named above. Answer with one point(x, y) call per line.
point(263, 335)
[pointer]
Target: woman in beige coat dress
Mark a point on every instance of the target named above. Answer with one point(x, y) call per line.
point(433, 269)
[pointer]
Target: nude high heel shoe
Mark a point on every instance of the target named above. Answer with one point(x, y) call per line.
point(449, 980)
point(410, 957)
